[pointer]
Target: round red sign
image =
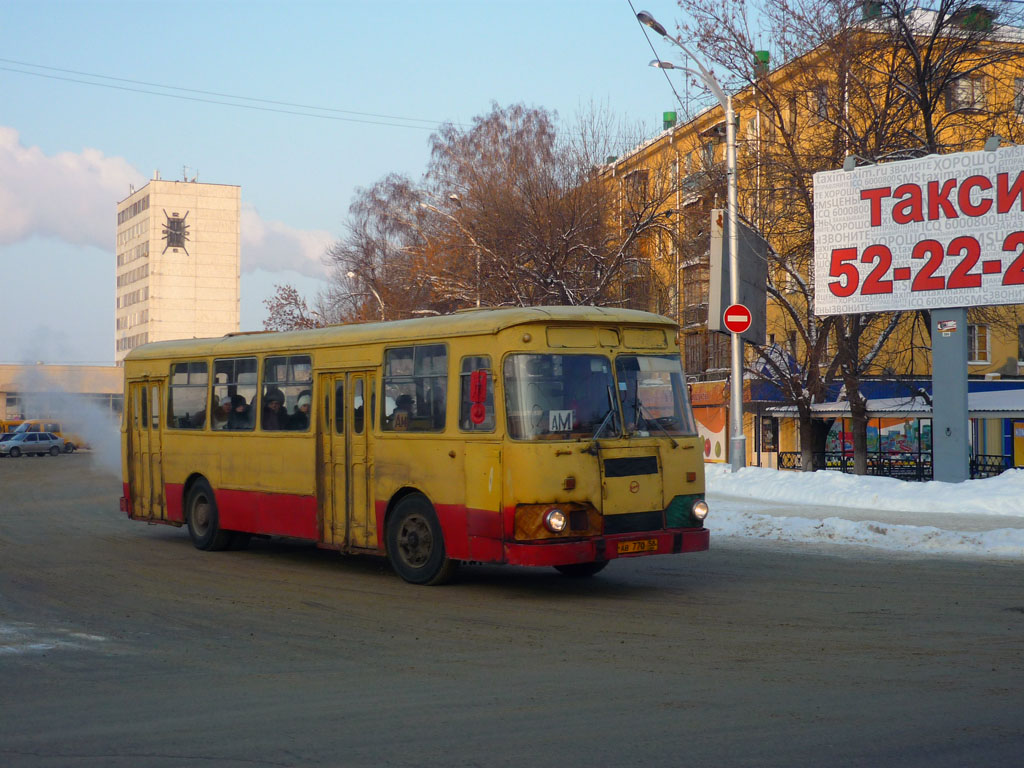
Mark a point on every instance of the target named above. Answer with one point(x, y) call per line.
point(737, 318)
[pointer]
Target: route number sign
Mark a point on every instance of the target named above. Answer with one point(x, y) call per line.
point(939, 231)
point(737, 318)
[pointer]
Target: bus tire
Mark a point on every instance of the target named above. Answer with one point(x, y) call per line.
point(581, 570)
point(415, 543)
point(69, 447)
point(203, 522)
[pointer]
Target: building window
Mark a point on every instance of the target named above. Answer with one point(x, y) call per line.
point(709, 154)
point(817, 102)
point(792, 344)
point(635, 184)
point(977, 343)
point(1020, 345)
point(720, 352)
point(966, 93)
point(1018, 96)
point(695, 353)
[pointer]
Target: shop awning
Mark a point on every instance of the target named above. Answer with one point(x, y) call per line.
point(1000, 404)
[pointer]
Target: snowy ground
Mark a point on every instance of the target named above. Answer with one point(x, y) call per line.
point(977, 517)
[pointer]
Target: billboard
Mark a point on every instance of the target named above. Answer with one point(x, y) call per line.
point(939, 231)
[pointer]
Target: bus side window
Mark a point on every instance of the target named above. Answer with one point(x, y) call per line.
point(339, 407)
point(415, 389)
point(358, 410)
point(155, 409)
point(187, 396)
point(470, 410)
point(234, 390)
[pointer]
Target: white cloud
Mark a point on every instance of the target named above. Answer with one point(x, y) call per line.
point(274, 246)
point(71, 197)
point(68, 196)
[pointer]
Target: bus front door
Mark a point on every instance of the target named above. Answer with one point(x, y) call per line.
point(345, 506)
point(145, 468)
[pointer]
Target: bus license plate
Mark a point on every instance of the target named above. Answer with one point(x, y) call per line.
point(631, 547)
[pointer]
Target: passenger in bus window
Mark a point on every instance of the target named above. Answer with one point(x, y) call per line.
point(274, 415)
point(402, 414)
point(240, 417)
point(300, 419)
point(221, 413)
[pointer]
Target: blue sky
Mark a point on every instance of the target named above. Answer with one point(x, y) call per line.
point(69, 150)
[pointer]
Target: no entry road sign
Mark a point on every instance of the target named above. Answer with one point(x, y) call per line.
point(737, 318)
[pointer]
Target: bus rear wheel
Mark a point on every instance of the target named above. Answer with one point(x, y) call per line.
point(581, 570)
point(415, 543)
point(69, 447)
point(203, 522)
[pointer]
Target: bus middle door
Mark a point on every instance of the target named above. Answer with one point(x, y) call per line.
point(347, 522)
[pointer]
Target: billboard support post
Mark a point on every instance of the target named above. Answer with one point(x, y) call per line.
point(950, 418)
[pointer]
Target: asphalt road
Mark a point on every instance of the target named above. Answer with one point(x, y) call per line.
point(122, 645)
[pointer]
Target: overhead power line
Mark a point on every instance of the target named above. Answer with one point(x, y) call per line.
point(260, 104)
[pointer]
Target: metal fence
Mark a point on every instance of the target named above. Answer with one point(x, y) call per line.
point(903, 466)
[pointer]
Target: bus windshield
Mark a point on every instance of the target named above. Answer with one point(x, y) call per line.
point(653, 395)
point(552, 397)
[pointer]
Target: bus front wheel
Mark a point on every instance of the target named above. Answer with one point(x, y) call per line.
point(201, 515)
point(415, 543)
point(581, 570)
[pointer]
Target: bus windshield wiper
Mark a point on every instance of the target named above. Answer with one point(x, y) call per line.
point(594, 446)
point(642, 409)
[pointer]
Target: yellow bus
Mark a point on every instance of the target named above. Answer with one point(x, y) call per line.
point(547, 436)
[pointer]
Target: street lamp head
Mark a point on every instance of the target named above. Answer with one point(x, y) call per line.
point(350, 275)
point(659, 64)
point(649, 21)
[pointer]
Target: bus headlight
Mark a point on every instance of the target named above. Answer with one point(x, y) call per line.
point(700, 509)
point(555, 520)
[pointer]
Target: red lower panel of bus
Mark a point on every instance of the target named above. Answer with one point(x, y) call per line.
point(470, 534)
point(275, 514)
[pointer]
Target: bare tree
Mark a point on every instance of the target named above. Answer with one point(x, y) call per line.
point(510, 212)
point(287, 310)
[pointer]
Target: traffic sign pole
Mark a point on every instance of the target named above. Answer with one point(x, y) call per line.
point(737, 440)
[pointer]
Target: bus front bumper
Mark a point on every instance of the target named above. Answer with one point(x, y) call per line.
point(664, 542)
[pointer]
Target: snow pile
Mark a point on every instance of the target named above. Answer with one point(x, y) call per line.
point(1002, 495)
point(742, 505)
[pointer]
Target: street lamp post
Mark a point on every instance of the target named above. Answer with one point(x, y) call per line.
point(737, 440)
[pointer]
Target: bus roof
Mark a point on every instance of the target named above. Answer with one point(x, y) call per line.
point(463, 323)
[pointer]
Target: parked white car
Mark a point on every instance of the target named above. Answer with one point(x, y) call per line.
point(38, 443)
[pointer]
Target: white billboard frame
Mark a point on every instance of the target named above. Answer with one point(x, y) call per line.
point(935, 232)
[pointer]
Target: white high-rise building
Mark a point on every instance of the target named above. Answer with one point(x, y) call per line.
point(178, 262)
